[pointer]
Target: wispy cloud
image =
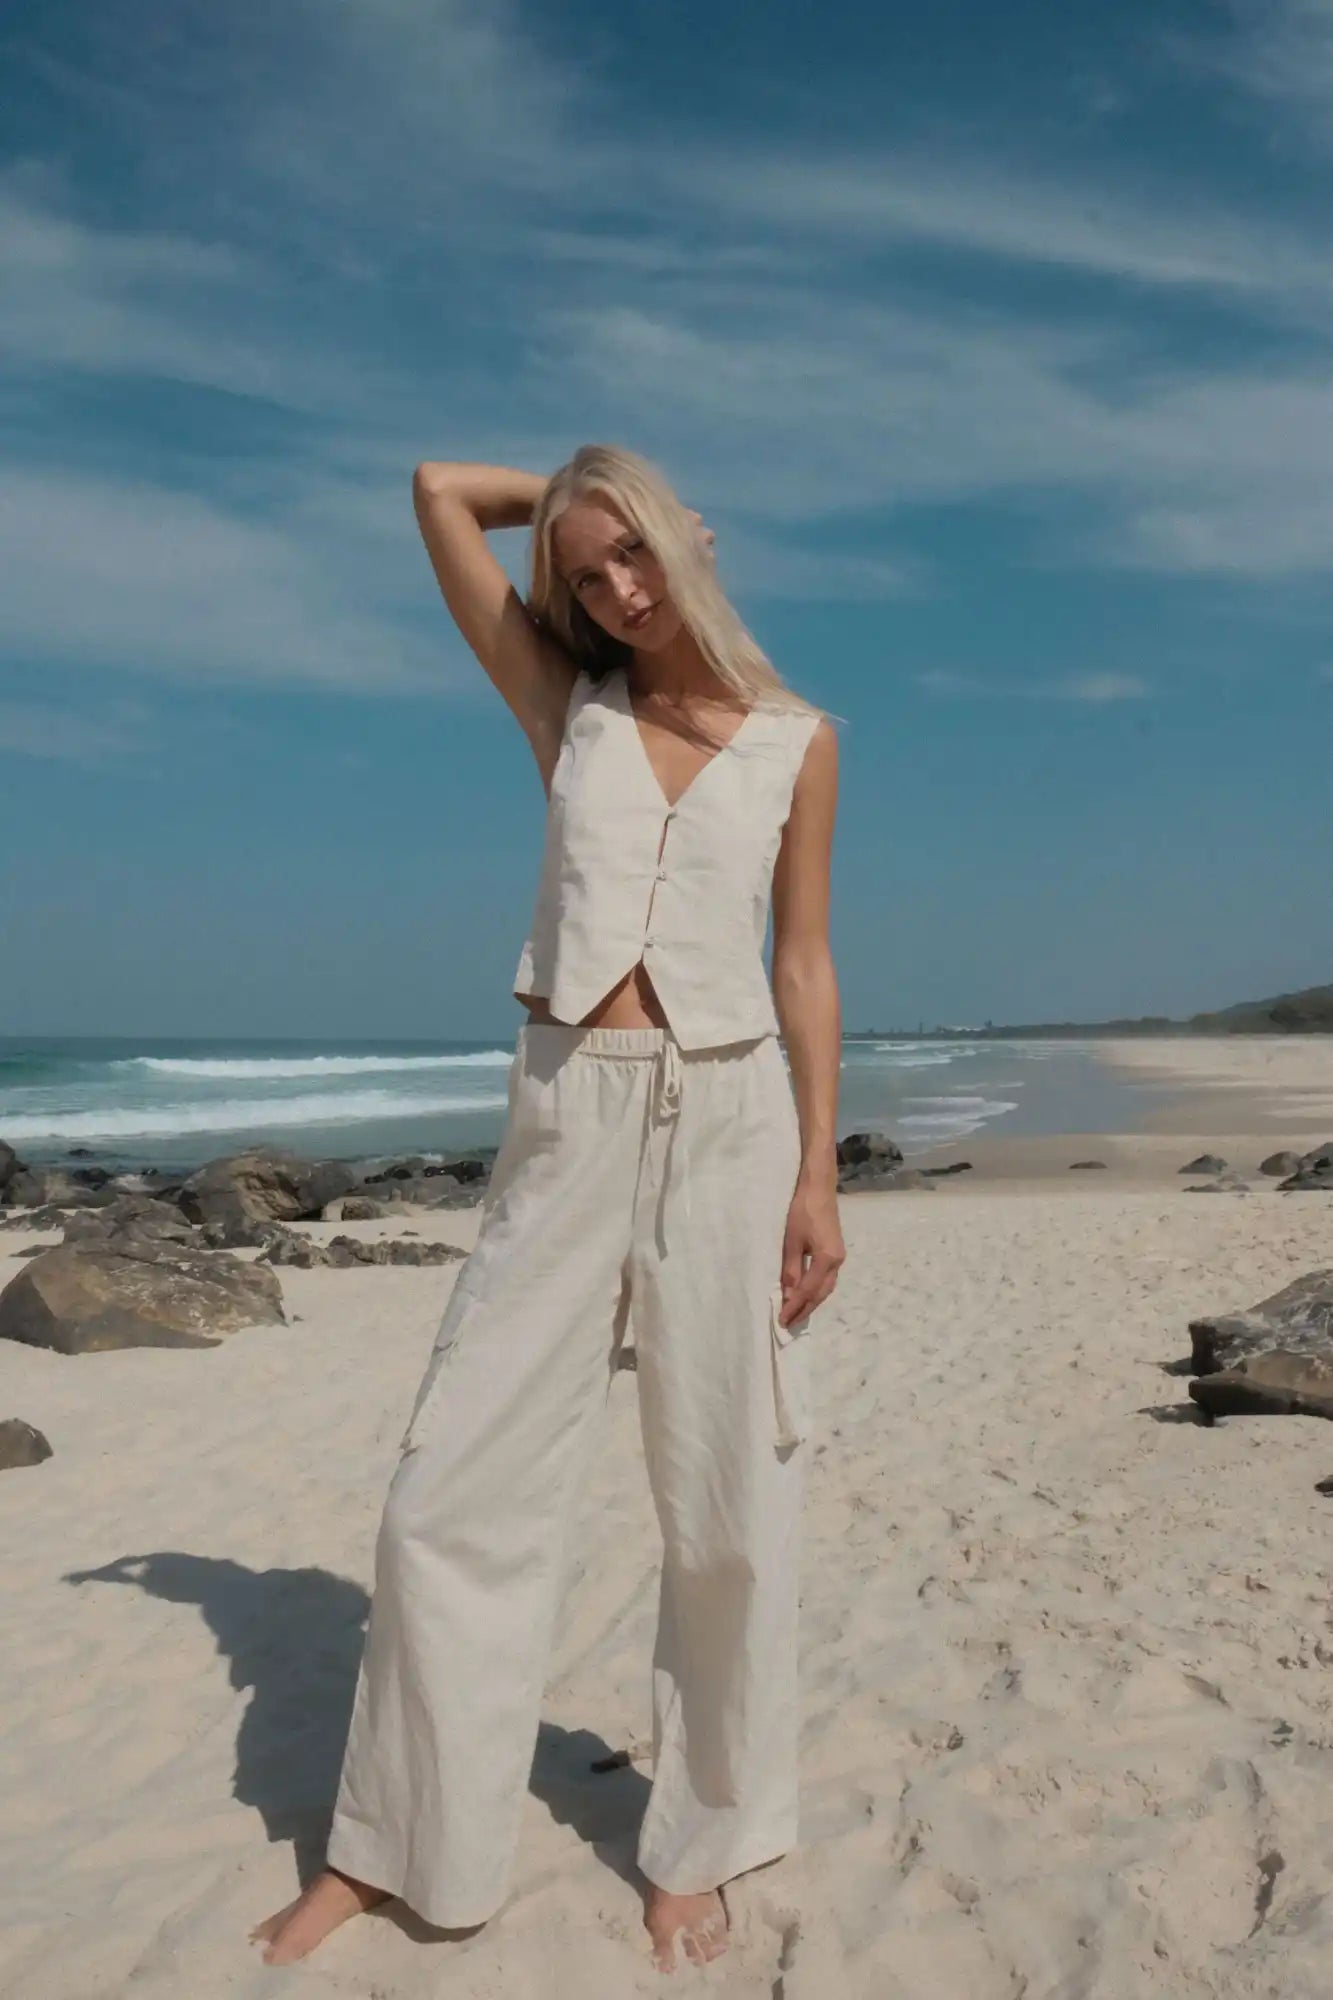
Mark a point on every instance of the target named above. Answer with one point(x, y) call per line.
point(102, 571)
point(1096, 690)
point(37, 729)
point(457, 250)
point(1281, 51)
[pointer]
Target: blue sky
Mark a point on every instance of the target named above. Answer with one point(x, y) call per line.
point(996, 344)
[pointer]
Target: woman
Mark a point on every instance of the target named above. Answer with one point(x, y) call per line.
point(656, 1172)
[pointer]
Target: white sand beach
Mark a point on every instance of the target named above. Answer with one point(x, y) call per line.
point(1068, 1659)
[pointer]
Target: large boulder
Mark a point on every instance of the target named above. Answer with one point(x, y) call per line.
point(21, 1444)
point(1314, 1171)
point(86, 1297)
point(10, 1164)
point(64, 1187)
point(891, 1180)
point(874, 1149)
point(1298, 1319)
point(1281, 1163)
point(266, 1184)
point(1278, 1383)
point(1207, 1163)
point(130, 1216)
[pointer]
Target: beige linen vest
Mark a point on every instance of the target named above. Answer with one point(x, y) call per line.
point(698, 916)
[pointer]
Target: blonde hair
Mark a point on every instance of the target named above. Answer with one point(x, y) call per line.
point(640, 492)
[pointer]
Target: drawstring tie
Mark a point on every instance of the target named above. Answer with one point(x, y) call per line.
point(667, 1103)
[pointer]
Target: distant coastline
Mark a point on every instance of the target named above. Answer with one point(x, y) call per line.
point(1309, 1012)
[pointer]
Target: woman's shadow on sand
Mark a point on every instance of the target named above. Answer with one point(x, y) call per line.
point(294, 1636)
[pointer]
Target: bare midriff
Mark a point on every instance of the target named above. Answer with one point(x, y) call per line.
point(630, 1004)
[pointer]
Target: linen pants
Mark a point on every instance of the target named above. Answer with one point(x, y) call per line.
point(639, 1189)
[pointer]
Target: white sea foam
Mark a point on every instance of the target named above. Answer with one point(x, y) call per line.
point(270, 1069)
point(240, 1114)
point(966, 1114)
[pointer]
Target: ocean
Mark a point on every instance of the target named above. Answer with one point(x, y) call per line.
point(175, 1103)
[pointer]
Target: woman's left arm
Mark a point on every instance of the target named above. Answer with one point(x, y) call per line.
point(805, 994)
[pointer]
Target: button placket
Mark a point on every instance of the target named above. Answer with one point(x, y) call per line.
point(659, 875)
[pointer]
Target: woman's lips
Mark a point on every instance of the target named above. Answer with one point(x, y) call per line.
point(642, 618)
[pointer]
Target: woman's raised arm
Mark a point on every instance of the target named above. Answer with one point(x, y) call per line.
point(455, 507)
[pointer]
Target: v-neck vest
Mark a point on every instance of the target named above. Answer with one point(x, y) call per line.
point(697, 916)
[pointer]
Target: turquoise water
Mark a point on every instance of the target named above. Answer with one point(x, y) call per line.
point(163, 1102)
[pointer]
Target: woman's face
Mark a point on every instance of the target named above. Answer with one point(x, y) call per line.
point(614, 575)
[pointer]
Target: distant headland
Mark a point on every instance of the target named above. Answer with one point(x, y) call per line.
point(1309, 1012)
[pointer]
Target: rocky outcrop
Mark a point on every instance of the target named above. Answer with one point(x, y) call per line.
point(1276, 1385)
point(21, 1445)
point(265, 1184)
point(63, 1187)
point(1227, 1183)
point(872, 1162)
point(1207, 1163)
point(1299, 1319)
point(88, 1296)
point(1276, 1357)
point(342, 1252)
point(891, 1180)
point(1281, 1163)
point(130, 1217)
point(1313, 1171)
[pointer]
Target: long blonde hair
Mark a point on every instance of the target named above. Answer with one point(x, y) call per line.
point(640, 492)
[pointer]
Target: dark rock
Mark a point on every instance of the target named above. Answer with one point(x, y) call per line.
point(1228, 1183)
point(82, 1298)
point(78, 1152)
point(890, 1181)
point(10, 1164)
point(35, 1187)
point(355, 1208)
point(1312, 1178)
point(1281, 1163)
point(21, 1445)
point(1318, 1156)
point(1298, 1319)
point(868, 1148)
point(954, 1167)
point(464, 1169)
point(139, 1216)
point(1207, 1163)
point(1080, 1166)
point(265, 1184)
point(341, 1252)
point(1277, 1383)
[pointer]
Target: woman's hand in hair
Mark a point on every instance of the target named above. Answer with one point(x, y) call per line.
point(706, 535)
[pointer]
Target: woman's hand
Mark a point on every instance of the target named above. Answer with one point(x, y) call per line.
point(813, 1232)
point(706, 535)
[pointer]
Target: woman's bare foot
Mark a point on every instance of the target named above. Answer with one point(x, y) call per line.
point(329, 1901)
point(699, 1921)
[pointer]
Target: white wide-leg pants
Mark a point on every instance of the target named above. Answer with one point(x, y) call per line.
point(639, 1189)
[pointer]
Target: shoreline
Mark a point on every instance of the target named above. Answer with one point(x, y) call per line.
point(1239, 1097)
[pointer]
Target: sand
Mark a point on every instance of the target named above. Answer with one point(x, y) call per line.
point(1068, 1699)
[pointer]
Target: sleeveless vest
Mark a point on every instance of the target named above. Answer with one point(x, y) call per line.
point(697, 916)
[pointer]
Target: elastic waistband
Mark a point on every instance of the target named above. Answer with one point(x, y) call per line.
point(599, 1041)
point(640, 1042)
